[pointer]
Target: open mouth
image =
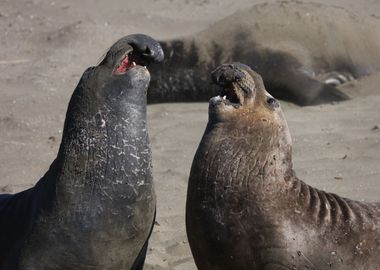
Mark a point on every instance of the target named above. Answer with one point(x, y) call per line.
point(232, 95)
point(129, 61)
point(236, 84)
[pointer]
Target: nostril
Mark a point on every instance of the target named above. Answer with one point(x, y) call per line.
point(152, 53)
point(148, 52)
point(227, 74)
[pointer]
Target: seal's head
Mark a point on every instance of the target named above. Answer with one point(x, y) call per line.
point(242, 97)
point(123, 71)
point(244, 109)
point(114, 91)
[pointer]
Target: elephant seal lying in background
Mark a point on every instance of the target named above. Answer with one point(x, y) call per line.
point(247, 210)
point(302, 50)
point(95, 206)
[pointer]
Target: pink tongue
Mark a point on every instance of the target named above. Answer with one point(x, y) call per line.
point(123, 66)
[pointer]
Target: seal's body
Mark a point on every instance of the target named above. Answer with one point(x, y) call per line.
point(95, 207)
point(302, 51)
point(246, 209)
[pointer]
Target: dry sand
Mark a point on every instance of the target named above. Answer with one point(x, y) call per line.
point(46, 45)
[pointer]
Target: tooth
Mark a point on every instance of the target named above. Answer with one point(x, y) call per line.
point(133, 63)
point(224, 97)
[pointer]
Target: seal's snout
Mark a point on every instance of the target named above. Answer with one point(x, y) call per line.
point(133, 50)
point(146, 47)
point(227, 74)
point(236, 82)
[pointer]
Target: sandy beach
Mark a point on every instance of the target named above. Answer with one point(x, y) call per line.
point(46, 45)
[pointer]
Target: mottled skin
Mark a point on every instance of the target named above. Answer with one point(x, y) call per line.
point(246, 209)
point(95, 206)
point(295, 47)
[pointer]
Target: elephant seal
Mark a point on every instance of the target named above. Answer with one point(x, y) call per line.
point(302, 51)
point(95, 206)
point(246, 209)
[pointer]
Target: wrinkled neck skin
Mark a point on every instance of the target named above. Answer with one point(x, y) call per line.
point(235, 187)
point(104, 138)
point(258, 157)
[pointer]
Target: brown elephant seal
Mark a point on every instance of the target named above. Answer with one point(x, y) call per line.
point(302, 51)
point(246, 209)
point(95, 206)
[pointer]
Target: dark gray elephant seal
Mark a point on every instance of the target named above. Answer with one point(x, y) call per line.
point(302, 51)
point(246, 209)
point(95, 206)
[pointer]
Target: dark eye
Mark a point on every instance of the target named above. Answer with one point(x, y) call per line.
point(272, 102)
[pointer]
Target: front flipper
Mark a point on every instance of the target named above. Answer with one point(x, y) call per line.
point(17, 214)
point(297, 87)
